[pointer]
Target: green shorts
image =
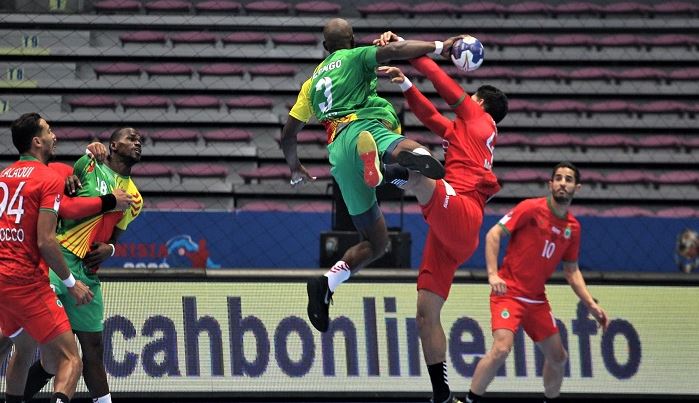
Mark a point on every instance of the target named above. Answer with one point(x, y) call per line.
point(83, 318)
point(347, 167)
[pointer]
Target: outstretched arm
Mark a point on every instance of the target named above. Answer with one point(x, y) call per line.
point(448, 89)
point(419, 104)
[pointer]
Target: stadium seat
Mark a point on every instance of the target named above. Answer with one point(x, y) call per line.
point(276, 172)
point(170, 6)
point(245, 38)
point(93, 101)
point(114, 6)
point(661, 107)
point(691, 143)
point(203, 170)
point(229, 135)
point(529, 7)
point(592, 177)
point(73, 134)
point(168, 69)
point(523, 176)
point(560, 106)
point(556, 140)
point(483, 7)
point(525, 40)
point(273, 70)
point(676, 7)
point(617, 40)
point(152, 170)
point(608, 107)
point(513, 140)
point(383, 8)
point(317, 137)
point(435, 8)
point(608, 141)
point(267, 7)
point(686, 41)
point(250, 102)
point(143, 37)
point(641, 73)
point(572, 40)
point(577, 8)
point(193, 37)
point(221, 69)
point(145, 102)
point(179, 204)
point(118, 69)
point(520, 105)
point(677, 178)
point(659, 141)
point(174, 135)
point(317, 7)
point(197, 102)
point(491, 73)
point(296, 38)
point(591, 73)
point(691, 73)
point(628, 7)
point(627, 177)
point(626, 211)
point(537, 73)
point(217, 6)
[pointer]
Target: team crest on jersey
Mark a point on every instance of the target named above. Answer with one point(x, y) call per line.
point(505, 314)
point(567, 232)
point(59, 303)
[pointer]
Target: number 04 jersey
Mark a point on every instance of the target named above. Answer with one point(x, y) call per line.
point(539, 241)
point(26, 187)
point(98, 179)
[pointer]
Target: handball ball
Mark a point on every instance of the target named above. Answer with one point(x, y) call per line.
point(467, 53)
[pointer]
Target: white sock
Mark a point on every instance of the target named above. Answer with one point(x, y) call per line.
point(104, 399)
point(421, 150)
point(338, 274)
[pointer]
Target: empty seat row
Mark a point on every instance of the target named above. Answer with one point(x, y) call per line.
point(181, 134)
point(205, 37)
point(609, 106)
point(155, 101)
point(179, 69)
point(217, 6)
point(565, 40)
point(398, 7)
point(588, 176)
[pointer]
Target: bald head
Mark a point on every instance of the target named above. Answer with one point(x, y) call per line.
point(338, 35)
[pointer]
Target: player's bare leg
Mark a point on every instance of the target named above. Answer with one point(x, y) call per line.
point(21, 360)
point(64, 352)
point(555, 357)
point(434, 342)
point(488, 365)
point(320, 289)
point(94, 373)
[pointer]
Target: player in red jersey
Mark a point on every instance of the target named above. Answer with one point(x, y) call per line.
point(543, 233)
point(452, 207)
point(30, 309)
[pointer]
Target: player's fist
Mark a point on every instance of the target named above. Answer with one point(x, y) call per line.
point(97, 151)
point(600, 315)
point(386, 38)
point(299, 175)
point(81, 293)
point(394, 73)
point(497, 285)
point(72, 185)
point(123, 199)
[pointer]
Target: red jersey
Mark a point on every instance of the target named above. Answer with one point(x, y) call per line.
point(27, 187)
point(539, 241)
point(469, 140)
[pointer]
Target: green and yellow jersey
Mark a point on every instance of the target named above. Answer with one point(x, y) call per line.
point(98, 179)
point(343, 89)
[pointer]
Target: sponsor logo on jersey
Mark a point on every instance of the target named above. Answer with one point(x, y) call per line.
point(555, 230)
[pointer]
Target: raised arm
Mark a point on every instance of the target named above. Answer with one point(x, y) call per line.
point(419, 104)
point(403, 50)
point(448, 89)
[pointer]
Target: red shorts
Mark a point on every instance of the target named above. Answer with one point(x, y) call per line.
point(454, 222)
point(536, 318)
point(34, 308)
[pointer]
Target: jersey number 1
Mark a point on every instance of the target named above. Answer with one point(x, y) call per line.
point(327, 83)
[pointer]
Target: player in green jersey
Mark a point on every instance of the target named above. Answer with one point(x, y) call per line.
point(363, 132)
point(85, 244)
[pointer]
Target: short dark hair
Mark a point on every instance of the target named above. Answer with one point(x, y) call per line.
point(24, 129)
point(494, 102)
point(119, 133)
point(569, 165)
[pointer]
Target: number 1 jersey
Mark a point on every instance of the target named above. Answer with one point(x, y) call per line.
point(28, 187)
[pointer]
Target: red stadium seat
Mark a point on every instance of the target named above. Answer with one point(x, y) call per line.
point(230, 135)
point(267, 7)
point(250, 102)
point(203, 170)
point(273, 70)
point(676, 7)
point(218, 6)
point(221, 69)
point(538, 73)
point(174, 135)
point(627, 177)
point(629, 7)
point(572, 40)
point(130, 6)
point(383, 8)
point(93, 101)
point(145, 101)
point(677, 178)
point(608, 141)
point(529, 7)
point(168, 69)
point(298, 38)
point(152, 170)
point(193, 37)
point(557, 140)
point(513, 140)
point(170, 6)
point(245, 38)
point(523, 176)
point(435, 8)
point(73, 134)
point(197, 102)
point(120, 69)
point(317, 7)
point(143, 37)
point(660, 141)
point(577, 8)
point(677, 212)
point(591, 73)
point(483, 7)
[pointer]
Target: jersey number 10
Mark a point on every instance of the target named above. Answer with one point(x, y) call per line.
point(549, 248)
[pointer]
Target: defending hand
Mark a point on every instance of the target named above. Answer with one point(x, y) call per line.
point(81, 293)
